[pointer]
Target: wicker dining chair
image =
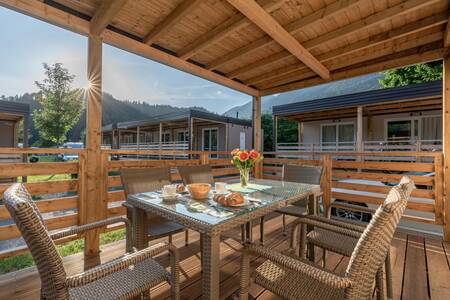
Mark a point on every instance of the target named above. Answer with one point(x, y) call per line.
point(196, 174)
point(141, 180)
point(301, 174)
point(126, 277)
point(293, 277)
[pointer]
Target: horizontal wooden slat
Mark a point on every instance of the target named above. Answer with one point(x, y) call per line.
point(116, 196)
point(225, 171)
point(220, 162)
point(116, 211)
point(10, 231)
point(273, 169)
point(419, 219)
point(363, 154)
point(425, 207)
point(41, 151)
point(429, 194)
point(45, 206)
point(422, 180)
point(271, 177)
point(391, 166)
point(28, 169)
point(47, 187)
point(293, 161)
point(116, 165)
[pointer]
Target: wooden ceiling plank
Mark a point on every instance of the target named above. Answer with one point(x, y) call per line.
point(173, 18)
point(372, 41)
point(217, 34)
point(326, 12)
point(66, 20)
point(369, 22)
point(105, 14)
point(399, 60)
point(269, 25)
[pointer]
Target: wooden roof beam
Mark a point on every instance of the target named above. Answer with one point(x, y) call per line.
point(405, 58)
point(447, 35)
point(366, 23)
point(217, 34)
point(326, 12)
point(173, 18)
point(372, 41)
point(269, 25)
point(105, 14)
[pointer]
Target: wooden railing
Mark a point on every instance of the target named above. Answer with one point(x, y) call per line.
point(357, 180)
point(59, 198)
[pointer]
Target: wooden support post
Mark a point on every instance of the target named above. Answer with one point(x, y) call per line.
point(257, 138)
point(138, 134)
point(446, 144)
point(93, 201)
point(326, 186)
point(438, 190)
point(359, 128)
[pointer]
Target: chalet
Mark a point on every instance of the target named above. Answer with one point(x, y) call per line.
point(209, 132)
point(407, 118)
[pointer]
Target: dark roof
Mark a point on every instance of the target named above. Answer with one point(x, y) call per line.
point(412, 91)
point(178, 116)
point(15, 108)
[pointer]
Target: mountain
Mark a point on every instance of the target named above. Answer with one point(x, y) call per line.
point(342, 87)
point(114, 111)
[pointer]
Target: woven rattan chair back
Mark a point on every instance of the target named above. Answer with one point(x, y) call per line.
point(196, 174)
point(371, 250)
point(141, 180)
point(302, 174)
point(30, 224)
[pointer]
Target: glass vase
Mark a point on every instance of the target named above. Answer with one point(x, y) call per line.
point(244, 176)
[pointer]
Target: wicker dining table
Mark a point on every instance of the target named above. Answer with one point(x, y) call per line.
point(211, 219)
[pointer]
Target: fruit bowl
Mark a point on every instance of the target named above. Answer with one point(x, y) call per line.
point(199, 191)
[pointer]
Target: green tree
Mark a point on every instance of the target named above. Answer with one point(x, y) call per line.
point(61, 106)
point(287, 131)
point(413, 74)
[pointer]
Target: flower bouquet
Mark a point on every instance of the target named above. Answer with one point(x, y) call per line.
point(244, 160)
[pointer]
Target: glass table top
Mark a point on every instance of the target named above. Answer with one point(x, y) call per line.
point(258, 194)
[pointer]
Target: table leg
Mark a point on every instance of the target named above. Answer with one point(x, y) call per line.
point(211, 266)
point(140, 228)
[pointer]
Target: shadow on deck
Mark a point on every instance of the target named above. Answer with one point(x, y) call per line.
point(421, 267)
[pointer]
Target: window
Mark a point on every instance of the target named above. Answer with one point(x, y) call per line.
point(165, 137)
point(210, 140)
point(332, 134)
point(403, 129)
point(183, 136)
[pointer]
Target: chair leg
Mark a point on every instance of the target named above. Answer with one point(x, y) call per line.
point(201, 253)
point(170, 239)
point(243, 234)
point(186, 237)
point(324, 257)
point(380, 284)
point(311, 252)
point(388, 268)
point(261, 231)
point(302, 251)
point(245, 276)
point(284, 225)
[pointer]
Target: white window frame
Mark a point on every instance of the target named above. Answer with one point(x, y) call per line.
point(203, 136)
point(408, 118)
point(186, 136)
point(166, 133)
point(337, 124)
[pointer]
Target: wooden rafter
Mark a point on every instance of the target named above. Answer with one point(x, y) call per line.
point(269, 25)
point(447, 35)
point(358, 57)
point(223, 30)
point(105, 14)
point(173, 18)
point(294, 27)
point(372, 41)
point(404, 58)
point(363, 24)
point(63, 19)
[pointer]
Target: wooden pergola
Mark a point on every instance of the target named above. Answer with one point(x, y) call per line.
point(258, 48)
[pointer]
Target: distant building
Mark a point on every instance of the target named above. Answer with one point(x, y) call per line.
point(190, 130)
point(407, 118)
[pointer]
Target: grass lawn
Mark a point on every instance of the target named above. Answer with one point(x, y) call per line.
point(25, 260)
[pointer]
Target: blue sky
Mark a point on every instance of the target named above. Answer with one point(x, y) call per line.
point(27, 42)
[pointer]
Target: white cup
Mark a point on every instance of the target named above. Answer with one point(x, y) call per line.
point(169, 190)
point(221, 187)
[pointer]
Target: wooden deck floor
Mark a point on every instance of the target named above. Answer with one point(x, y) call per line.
point(421, 267)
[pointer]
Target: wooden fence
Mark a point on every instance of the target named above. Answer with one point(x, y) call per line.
point(59, 198)
point(368, 182)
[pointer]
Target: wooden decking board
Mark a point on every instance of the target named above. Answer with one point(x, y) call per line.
point(415, 284)
point(418, 264)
